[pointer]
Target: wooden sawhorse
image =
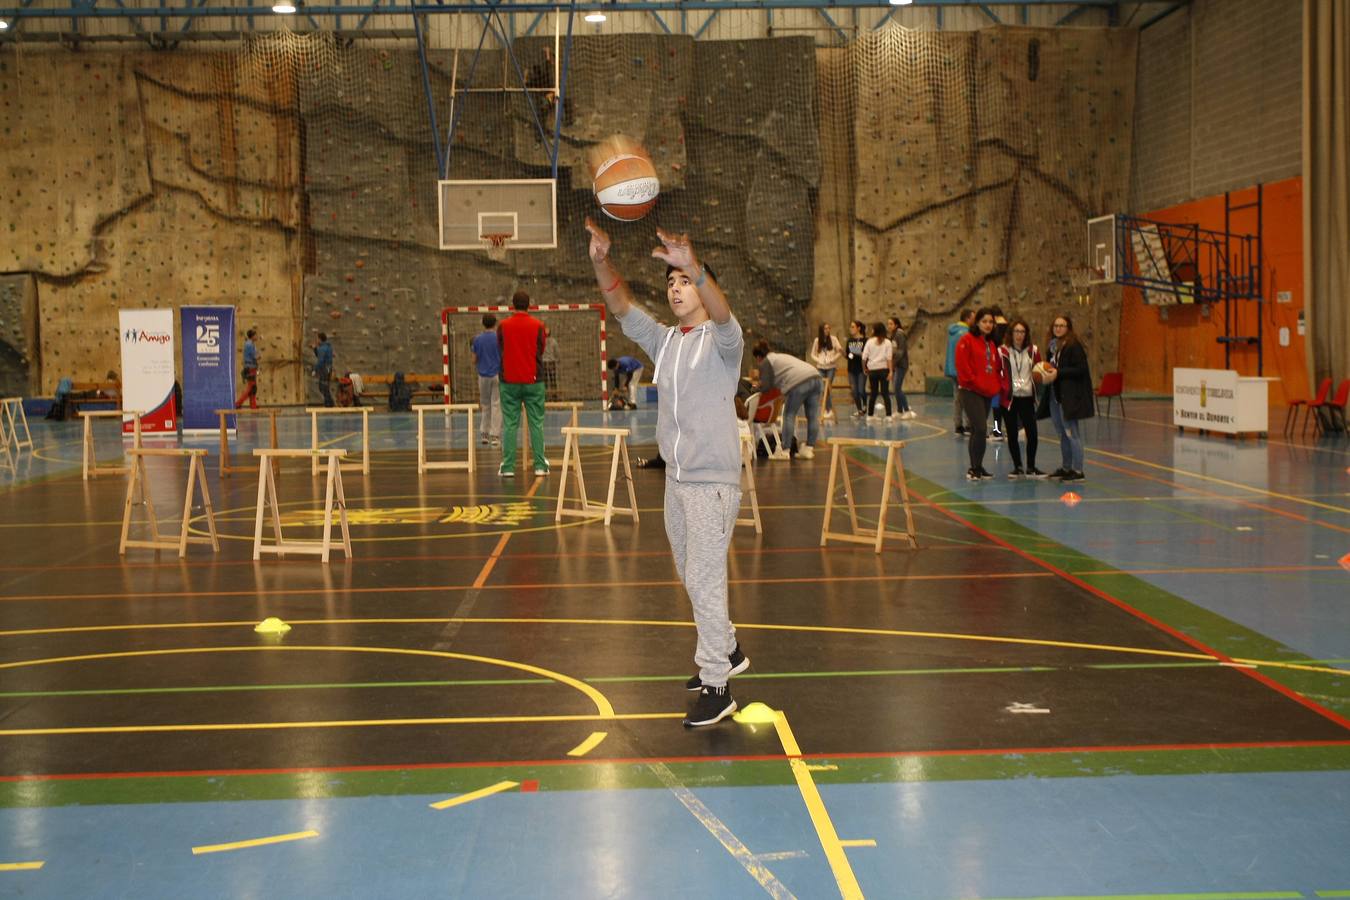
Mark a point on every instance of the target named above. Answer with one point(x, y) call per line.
point(363, 466)
point(225, 467)
point(748, 480)
point(267, 498)
point(449, 409)
point(90, 460)
point(860, 535)
point(196, 476)
point(572, 462)
point(11, 417)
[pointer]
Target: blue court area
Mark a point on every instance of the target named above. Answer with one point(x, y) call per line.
point(1271, 835)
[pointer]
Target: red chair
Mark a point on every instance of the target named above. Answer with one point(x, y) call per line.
point(1336, 407)
point(1314, 408)
point(1112, 387)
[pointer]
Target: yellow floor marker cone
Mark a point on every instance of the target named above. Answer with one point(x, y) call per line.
point(271, 625)
point(755, 714)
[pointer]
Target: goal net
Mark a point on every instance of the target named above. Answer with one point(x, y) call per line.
point(574, 367)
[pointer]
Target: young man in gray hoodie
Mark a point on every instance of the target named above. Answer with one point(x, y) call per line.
point(697, 366)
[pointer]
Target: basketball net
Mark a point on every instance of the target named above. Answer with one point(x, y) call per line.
point(495, 245)
point(1081, 279)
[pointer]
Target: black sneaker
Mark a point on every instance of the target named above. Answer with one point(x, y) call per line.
point(962, 432)
point(1074, 476)
point(984, 473)
point(1017, 473)
point(972, 474)
point(1059, 473)
point(996, 435)
point(739, 663)
point(1034, 472)
point(714, 705)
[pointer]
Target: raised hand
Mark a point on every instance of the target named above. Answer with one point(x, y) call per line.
point(600, 243)
point(675, 250)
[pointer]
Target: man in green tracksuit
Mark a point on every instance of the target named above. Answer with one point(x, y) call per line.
point(521, 340)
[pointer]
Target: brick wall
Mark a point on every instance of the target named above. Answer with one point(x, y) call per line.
point(1218, 100)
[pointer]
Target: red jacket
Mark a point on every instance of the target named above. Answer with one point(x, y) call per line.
point(521, 338)
point(979, 366)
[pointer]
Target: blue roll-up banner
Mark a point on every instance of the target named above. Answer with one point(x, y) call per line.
point(208, 366)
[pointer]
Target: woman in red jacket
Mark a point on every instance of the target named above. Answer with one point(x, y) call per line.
point(979, 377)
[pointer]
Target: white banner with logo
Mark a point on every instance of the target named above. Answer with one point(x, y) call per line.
point(1205, 399)
point(147, 368)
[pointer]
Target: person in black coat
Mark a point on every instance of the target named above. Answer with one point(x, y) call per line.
point(1068, 400)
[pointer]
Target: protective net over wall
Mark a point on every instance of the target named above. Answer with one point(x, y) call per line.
point(910, 173)
point(572, 364)
point(961, 170)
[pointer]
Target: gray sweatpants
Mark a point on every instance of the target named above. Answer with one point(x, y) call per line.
point(489, 407)
point(699, 521)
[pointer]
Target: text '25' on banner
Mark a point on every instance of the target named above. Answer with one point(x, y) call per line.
point(208, 366)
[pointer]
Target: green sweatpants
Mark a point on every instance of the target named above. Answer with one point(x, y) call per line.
point(513, 395)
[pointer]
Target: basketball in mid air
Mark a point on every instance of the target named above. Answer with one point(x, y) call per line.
point(625, 182)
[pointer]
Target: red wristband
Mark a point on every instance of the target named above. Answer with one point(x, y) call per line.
point(606, 290)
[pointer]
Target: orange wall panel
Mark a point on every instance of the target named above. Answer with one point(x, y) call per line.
point(1151, 345)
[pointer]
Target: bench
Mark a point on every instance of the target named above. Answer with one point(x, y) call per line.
point(89, 393)
point(426, 385)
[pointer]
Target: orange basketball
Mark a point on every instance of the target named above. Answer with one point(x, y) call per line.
point(626, 186)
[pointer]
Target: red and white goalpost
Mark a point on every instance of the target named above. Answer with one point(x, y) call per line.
point(578, 329)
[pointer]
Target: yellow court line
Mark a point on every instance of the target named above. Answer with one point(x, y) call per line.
point(820, 817)
point(1225, 482)
point(335, 723)
point(861, 842)
point(654, 623)
point(476, 795)
point(601, 702)
point(254, 842)
point(21, 867)
point(589, 744)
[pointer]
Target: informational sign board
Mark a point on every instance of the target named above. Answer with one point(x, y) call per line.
point(208, 366)
point(147, 368)
point(1205, 398)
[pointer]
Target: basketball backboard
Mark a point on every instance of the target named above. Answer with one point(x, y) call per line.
point(526, 209)
point(1101, 249)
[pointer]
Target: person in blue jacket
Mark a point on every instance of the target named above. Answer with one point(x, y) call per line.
point(955, 332)
point(323, 367)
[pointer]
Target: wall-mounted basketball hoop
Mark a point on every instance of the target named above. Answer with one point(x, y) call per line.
point(495, 244)
point(1083, 278)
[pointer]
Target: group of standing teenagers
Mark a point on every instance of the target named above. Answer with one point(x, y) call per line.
point(996, 366)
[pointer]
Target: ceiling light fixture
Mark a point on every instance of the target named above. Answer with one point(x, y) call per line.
point(596, 17)
point(284, 9)
point(3, 24)
point(901, 2)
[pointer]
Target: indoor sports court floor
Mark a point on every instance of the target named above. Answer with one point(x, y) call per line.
point(1143, 693)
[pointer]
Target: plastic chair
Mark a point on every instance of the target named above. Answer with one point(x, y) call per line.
point(1112, 388)
point(1315, 407)
point(766, 418)
point(1336, 407)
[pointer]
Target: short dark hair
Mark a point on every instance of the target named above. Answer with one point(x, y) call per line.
point(322, 336)
point(712, 273)
point(966, 314)
point(613, 363)
point(760, 350)
point(489, 321)
point(252, 333)
point(520, 299)
point(879, 330)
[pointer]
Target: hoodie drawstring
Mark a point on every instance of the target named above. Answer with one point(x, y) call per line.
point(656, 370)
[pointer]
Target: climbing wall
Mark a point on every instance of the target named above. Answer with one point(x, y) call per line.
point(294, 177)
point(976, 158)
point(151, 180)
point(20, 374)
point(730, 128)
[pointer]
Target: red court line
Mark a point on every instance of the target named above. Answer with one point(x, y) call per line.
point(1139, 614)
point(643, 760)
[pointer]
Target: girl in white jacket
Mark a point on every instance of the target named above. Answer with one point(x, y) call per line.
point(825, 353)
point(877, 364)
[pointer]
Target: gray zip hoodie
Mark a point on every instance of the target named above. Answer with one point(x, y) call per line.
point(695, 376)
